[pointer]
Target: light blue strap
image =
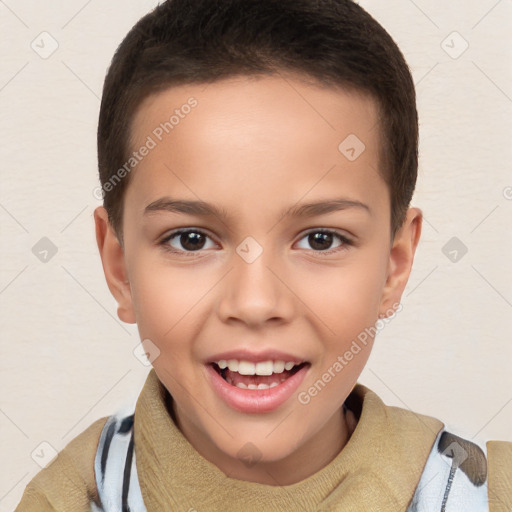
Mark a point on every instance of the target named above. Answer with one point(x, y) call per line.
point(454, 478)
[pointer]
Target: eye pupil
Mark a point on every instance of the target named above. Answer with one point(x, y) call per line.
point(323, 239)
point(192, 240)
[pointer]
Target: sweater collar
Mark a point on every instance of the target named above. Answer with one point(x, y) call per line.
point(381, 463)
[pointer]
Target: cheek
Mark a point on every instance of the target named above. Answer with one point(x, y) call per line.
point(347, 297)
point(160, 300)
point(170, 305)
point(170, 300)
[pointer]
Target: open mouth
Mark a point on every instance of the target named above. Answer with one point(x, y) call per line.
point(269, 376)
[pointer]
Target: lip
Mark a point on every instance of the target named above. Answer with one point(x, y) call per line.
point(255, 357)
point(255, 401)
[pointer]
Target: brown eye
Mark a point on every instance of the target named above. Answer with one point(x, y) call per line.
point(192, 241)
point(321, 241)
point(186, 241)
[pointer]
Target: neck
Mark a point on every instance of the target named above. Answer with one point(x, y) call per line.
point(309, 458)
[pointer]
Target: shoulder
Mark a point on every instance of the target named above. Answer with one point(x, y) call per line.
point(500, 475)
point(459, 472)
point(68, 483)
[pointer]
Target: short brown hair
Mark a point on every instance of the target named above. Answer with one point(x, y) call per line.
point(333, 42)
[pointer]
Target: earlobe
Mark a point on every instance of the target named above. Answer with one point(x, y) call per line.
point(114, 265)
point(401, 258)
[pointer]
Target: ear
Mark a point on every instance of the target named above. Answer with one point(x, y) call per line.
point(400, 260)
point(114, 266)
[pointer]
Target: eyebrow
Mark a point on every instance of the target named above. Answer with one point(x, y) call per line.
point(203, 209)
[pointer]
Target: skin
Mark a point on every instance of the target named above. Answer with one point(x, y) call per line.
point(255, 147)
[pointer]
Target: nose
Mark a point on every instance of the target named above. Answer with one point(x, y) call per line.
point(256, 292)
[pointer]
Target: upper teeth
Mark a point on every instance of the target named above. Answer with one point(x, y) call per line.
point(261, 368)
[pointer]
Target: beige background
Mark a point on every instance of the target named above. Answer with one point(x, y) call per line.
point(66, 359)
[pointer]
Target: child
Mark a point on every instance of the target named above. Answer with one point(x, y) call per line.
point(279, 139)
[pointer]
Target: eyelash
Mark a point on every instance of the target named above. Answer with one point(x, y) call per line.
point(164, 242)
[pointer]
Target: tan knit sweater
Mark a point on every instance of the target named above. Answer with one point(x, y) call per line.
point(377, 470)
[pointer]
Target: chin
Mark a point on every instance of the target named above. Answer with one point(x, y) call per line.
point(258, 448)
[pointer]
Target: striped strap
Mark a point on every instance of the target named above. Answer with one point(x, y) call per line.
point(115, 468)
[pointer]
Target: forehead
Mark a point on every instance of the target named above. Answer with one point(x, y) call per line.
point(271, 137)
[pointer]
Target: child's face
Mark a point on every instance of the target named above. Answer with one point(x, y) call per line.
point(254, 149)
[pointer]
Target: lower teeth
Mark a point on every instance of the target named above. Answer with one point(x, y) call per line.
point(241, 385)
